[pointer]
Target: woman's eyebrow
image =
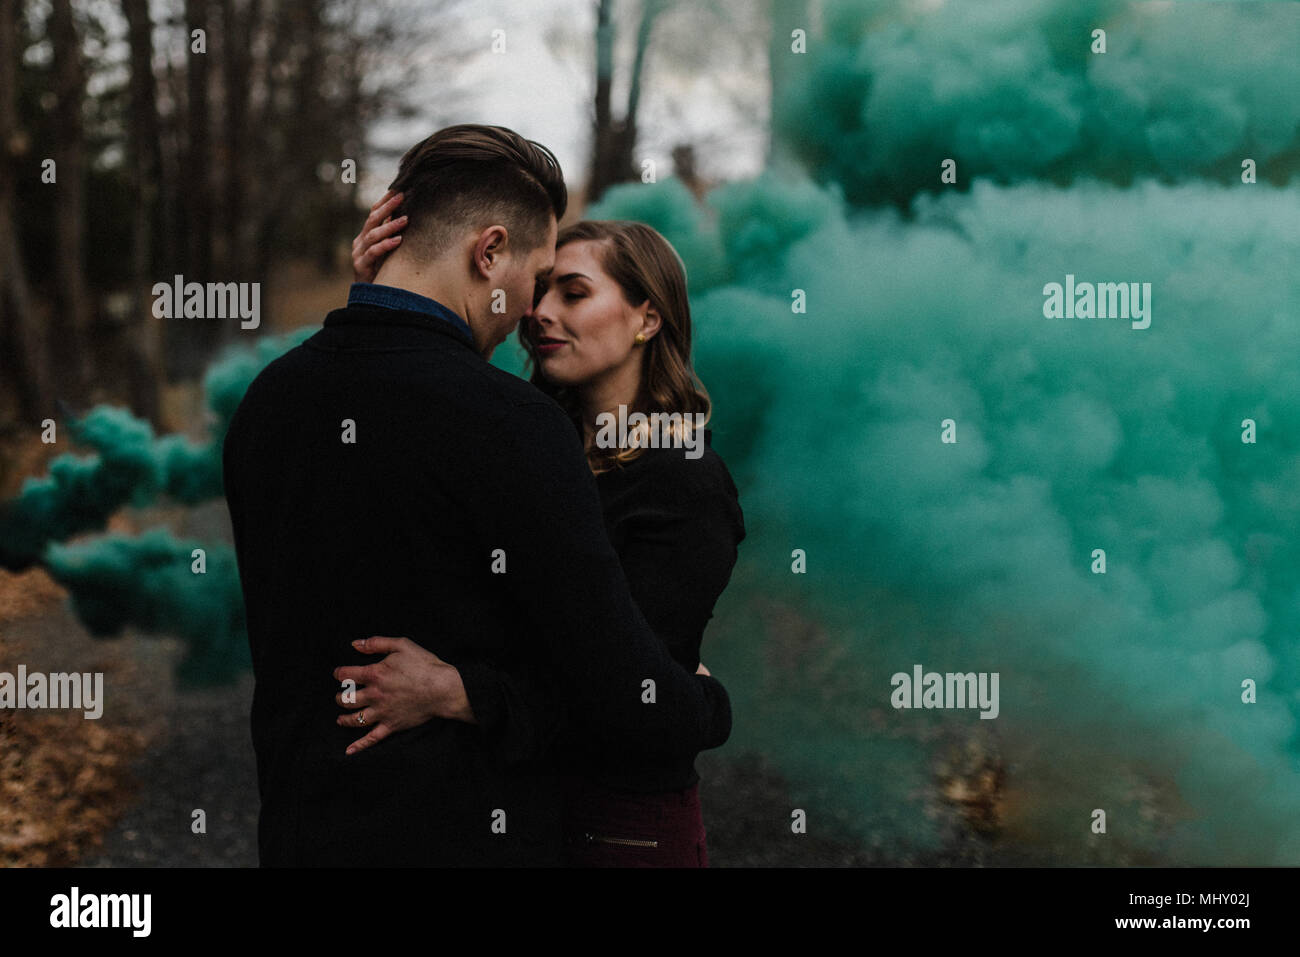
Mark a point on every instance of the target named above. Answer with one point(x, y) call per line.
point(573, 275)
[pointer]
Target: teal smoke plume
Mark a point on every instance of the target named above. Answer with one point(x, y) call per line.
point(155, 583)
point(150, 582)
point(1012, 90)
point(131, 466)
point(1121, 691)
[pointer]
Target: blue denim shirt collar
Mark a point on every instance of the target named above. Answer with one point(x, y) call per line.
point(391, 297)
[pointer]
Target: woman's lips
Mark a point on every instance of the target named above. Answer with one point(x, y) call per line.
point(547, 347)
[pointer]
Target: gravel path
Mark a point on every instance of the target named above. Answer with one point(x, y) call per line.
point(199, 757)
point(205, 761)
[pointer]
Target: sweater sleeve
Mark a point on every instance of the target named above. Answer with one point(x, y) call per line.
point(678, 546)
point(517, 713)
point(618, 682)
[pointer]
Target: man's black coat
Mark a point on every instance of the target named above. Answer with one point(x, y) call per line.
point(374, 475)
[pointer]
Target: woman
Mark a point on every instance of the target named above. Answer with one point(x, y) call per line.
point(610, 336)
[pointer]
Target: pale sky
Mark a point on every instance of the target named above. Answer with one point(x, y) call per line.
point(542, 87)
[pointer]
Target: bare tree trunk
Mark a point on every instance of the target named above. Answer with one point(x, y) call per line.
point(604, 151)
point(191, 342)
point(268, 180)
point(72, 303)
point(198, 172)
point(650, 10)
point(24, 356)
point(614, 140)
point(238, 26)
point(144, 333)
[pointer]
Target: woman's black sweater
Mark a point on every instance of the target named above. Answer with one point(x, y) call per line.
point(675, 523)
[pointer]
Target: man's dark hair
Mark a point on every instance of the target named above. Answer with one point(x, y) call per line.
point(469, 176)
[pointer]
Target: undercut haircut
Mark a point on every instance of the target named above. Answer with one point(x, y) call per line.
point(469, 177)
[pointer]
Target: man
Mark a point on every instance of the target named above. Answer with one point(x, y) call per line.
point(384, 479)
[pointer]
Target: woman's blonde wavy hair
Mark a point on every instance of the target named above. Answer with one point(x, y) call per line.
point(646, 267)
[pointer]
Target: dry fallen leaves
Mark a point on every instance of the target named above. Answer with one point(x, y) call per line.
point(64, 780)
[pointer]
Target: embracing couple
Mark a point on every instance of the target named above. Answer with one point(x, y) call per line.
point(475, 629)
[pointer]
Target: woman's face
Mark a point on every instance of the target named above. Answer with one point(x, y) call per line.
point(583, 330)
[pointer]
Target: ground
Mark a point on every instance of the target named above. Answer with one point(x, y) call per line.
point(121, 791)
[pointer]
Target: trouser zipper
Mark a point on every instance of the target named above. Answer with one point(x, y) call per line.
point(630, 842)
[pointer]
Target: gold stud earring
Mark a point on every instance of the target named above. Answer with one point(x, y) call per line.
point(640, 339)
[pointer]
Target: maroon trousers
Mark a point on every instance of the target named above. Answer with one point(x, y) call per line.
point(609, 828)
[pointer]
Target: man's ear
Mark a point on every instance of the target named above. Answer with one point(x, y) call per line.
point(489, 248)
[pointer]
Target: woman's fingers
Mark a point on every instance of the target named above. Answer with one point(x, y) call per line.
point(379, 215)
point(361, 674)
point(381, 211)
point(376, 239)
point(366, 265)
point(384, 230)
point(367, 261)
point(379, 644)
point(358, 697)
point(377, 731)
point(377, 734)
point(379, 241)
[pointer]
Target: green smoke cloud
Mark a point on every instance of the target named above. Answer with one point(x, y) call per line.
point(154, 583)
point(131, 466)
point(1012, 91)
point(1120, 691)
point(148, 582)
